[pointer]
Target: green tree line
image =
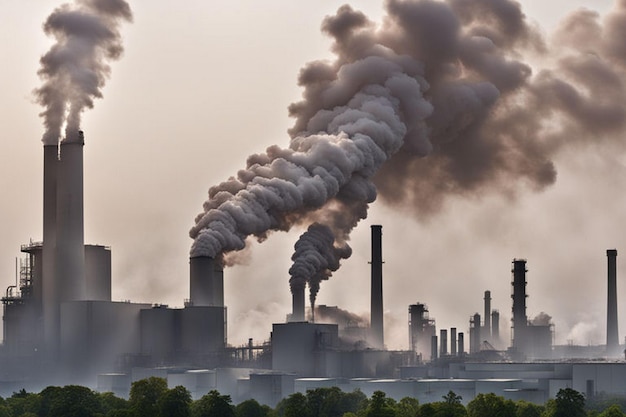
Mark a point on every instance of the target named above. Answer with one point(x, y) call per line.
point(152, 398)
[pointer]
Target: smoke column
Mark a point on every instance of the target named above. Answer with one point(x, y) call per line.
point(75, 69)
point(472, 85)
point(315, 259)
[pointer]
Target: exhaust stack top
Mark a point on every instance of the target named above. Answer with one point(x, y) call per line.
point(206, 282)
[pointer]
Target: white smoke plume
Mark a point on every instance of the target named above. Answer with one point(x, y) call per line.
point(315, 258)
point(470, 84)
point(75, 69)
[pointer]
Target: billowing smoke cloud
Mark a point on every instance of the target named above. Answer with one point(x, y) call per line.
point(471, 85)
point(541, 319)
point(315, 258)
point(375, 101)
point(75, 69)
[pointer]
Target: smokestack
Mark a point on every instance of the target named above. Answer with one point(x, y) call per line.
point(376, 320)
point(297, 303)
point(475, 336)
point(433, 348)
point(443, 346)
point(461, 351)
point(520, 321)
point(453, 341)
point(70, 237)
point(206, 282)
point(495, 326)
point(487, 315)
point(612, 338)
point(50, 297)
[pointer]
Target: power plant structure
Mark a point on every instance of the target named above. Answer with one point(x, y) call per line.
point(61, 326)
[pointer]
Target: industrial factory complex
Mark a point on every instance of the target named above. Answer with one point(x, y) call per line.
point(61, 326)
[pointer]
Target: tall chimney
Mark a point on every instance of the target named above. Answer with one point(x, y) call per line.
point(487, 315)
point(461, 350)
point(520, 321)
point(377, 333)
point(206, 282)
point(297, 302)
point(433, 348)
point(612, 339)
point(443, 345)
point(453, 341)
point(495, 326)
point(70, 238)
point(50, 300)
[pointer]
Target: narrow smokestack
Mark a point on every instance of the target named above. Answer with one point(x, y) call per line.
point(612, 338)
point(443, 345)
point(475, 336)
point(70, 238)
point(377, 331)
point(453, 341)
point(461, 351)
point(50, 299)
point(433, 348)
point(495, 326)
point(297, 303)
point(206, 282)
point(520, 321)
point(487, 316)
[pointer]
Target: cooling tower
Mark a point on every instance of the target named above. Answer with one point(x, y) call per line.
point(206, 282)
point(297, 303)
point(612, 339)
point(377, 337)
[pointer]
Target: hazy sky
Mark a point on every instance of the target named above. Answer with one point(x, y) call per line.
point(201, 86)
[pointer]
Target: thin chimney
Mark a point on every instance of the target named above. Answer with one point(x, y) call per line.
point(377, 332)
point(612, 338)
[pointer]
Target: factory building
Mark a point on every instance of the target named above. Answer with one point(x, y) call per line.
point(61, 326)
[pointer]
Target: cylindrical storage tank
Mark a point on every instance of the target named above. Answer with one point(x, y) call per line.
point(206, 282)
point(297, 303)
point(70, 242)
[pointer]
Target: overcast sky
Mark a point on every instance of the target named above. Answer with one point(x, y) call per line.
point(201, 86)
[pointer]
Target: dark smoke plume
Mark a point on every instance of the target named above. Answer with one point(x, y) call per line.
point(315, 258)
point(470, 84)
point(75, 69)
